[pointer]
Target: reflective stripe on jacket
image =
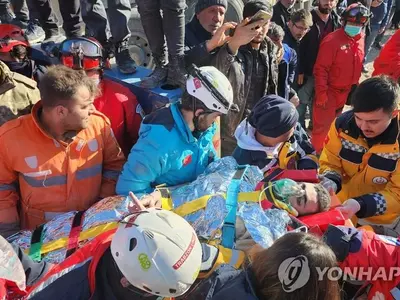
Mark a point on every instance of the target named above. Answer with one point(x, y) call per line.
point(44, 177)
point(368, 174)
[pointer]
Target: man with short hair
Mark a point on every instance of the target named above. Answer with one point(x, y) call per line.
point(325, 21)
point(206, 32)
point(282, 11)
point(175, 142)
point(299, 24)
point(249, 61)
point(61, 157)
point(361, 155)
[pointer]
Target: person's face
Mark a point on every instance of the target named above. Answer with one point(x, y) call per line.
point(373, 123)
point(272, 142)
point(326, 6)
point(308, 203)
point(94, 75)
point(262, 33)
point(206, 120)
point(376, 3)
point(212, 18)
point(298, 29)
point(277, 41)
point(288, 3)
point(76, 116)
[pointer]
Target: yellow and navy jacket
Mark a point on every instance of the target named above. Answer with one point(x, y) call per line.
point(364, 171)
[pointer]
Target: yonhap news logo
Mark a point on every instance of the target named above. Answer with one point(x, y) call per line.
point(294, 273)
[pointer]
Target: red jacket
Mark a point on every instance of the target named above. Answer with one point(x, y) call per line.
point(120, 105)
point(338, 65)
point(374, 253)
point(388, 61)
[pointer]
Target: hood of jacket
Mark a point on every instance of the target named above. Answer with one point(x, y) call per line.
point(245, 136)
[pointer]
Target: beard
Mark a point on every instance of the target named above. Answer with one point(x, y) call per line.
point(324, 10)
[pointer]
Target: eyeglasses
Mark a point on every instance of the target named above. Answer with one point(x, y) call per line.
point(302, 28)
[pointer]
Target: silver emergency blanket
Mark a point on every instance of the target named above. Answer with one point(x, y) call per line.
point(108, 210)
point(264, 226)
point(207, 222)
point(214, 181)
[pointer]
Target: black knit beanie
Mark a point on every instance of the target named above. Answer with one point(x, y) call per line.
point(203, 4)
point(273, 116)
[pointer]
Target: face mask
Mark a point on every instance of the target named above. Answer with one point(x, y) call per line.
point(96, 81)
point(23, 67)
point(352, 30)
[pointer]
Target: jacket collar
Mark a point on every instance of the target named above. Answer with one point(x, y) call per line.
point(201, 34)
point(388, 137)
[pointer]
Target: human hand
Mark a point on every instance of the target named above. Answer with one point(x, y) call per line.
point(321, 101)
point(327, 183)
point(151, 200)
point(295, 100)
point(349, 208)
point(245, 33)
point(300, 79)
point(220, 37)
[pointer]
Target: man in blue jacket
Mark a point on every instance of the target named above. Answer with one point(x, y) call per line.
point(175, 142)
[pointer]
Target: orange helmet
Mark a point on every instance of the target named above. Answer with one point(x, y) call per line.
point(11, 36)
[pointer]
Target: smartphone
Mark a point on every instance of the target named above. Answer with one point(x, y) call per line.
point(260, 15)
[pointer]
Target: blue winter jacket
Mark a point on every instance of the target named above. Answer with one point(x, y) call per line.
point(166, 152)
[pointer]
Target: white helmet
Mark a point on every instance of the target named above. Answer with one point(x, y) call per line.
point(211, 87)
point(158, 252)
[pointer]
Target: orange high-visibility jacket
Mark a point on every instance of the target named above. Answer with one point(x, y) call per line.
point(40, 176)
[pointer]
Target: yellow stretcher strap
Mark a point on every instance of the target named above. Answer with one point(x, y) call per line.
point(200, 203)
point(84, 235)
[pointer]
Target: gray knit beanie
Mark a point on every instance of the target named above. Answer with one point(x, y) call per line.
point(203, 4)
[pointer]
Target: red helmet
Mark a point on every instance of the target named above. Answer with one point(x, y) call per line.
point(11, 36)
point(83, 53)
point(356, 13)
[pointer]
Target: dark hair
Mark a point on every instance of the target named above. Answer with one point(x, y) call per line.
point(188, 102)
point(60, 85)
point(266, 263)
point(275, 31)
point(302, 15)
point(381, 92)
point(323, 196)
point(253, 6)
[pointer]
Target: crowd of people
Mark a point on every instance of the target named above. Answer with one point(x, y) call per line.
point(70, 137)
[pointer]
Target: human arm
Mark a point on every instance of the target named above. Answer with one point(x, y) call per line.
point(385, 20)
point(198, 53)
point(146, 162)
point(9, 197)
point(113, 160)
point(330, 162)
point(322, 67)
point(308, 159)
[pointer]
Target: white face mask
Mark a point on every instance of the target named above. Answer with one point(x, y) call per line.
point(97, 81)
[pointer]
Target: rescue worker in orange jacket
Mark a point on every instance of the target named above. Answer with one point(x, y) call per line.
point(360, 160)
point(337, 69)
point(388, 61)
point(116, 101)
point(61, 157)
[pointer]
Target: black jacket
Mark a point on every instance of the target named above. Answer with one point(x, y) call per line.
point(225, 283)
point(238, 69)
point(309, 45)
point(195, 44)
point(280, 15)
